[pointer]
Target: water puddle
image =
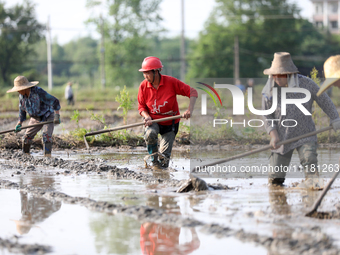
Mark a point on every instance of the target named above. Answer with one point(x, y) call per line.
point(72, 229)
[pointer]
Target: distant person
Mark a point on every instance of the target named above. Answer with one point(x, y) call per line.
point(69, 96)
point(41, 107)
point(240, 85)
point(283, 73)
point(157, 99)
point(250, 84)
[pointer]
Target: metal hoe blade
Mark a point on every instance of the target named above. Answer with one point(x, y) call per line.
point(318, 202)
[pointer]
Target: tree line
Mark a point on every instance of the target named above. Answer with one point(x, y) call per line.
point(132, 31)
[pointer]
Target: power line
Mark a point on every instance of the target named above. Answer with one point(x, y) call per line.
point(301, 58)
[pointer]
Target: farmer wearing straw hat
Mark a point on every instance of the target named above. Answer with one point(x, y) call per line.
point(283, 73)
point(331, 69)
point(40, 106)
point(157, 99)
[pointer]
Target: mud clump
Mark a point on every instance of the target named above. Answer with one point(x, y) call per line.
point(15, 247)
point(325, 215)
point(198, 184)
point(301, 241)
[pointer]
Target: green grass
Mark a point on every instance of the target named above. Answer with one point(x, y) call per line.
point(103, 103)
point(85, 98)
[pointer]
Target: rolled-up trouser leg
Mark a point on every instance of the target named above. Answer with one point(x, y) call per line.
point(151, 139)
point(309, 159)
point(279, 164)
point(27, 139)
point(47, 136)
point(165, 146)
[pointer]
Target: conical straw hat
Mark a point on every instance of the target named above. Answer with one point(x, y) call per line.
point(282, 64)
point(21, 83)
point(331, 69)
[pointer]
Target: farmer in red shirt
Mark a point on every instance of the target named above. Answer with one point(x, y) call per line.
point(157, 99)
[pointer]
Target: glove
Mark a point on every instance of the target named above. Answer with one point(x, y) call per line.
point(17, 128)
point(336, 124)
point(57, 119)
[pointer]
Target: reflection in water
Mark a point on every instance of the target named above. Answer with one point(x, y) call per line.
point(162, 239)
point(35, 209)
point(161, 173)
point(278, 200)
point(114, 234)
point(280, 206)
point(310, 197)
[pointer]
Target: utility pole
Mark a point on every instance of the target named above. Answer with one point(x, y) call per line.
point(102, 52)
point(49, 54)
point(236, 60)
point(182, 46)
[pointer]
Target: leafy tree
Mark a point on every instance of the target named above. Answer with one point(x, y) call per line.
point(168, 50)
point(38, 60)
point(60, 66)
point(127, 25)
point(75, 59)
point(19, 30)
point(262, 27)
point(83, 58)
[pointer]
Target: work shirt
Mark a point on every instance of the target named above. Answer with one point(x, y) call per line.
point(305, 123)
point(38, 104)
point(162, 102)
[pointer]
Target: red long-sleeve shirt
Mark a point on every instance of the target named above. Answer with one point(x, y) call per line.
point(162, 102)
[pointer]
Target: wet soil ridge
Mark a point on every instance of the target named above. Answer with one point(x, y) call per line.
point(142, 213)
point(302, 241)
point(14, 141)
point(21, 161)
point(309, 240)
point(15, 247)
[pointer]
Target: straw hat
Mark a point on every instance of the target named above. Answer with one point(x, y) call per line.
point(21, 83)
point(23, 226)
point(331, 69)
point(282, 64)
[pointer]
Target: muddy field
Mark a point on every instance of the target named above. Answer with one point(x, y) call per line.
point(104, 201)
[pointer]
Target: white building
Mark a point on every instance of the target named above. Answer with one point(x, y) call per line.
point(327, 14)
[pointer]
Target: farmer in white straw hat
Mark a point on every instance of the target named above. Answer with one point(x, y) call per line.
point(283, 73)
point(41, 107)
point(331, 69)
